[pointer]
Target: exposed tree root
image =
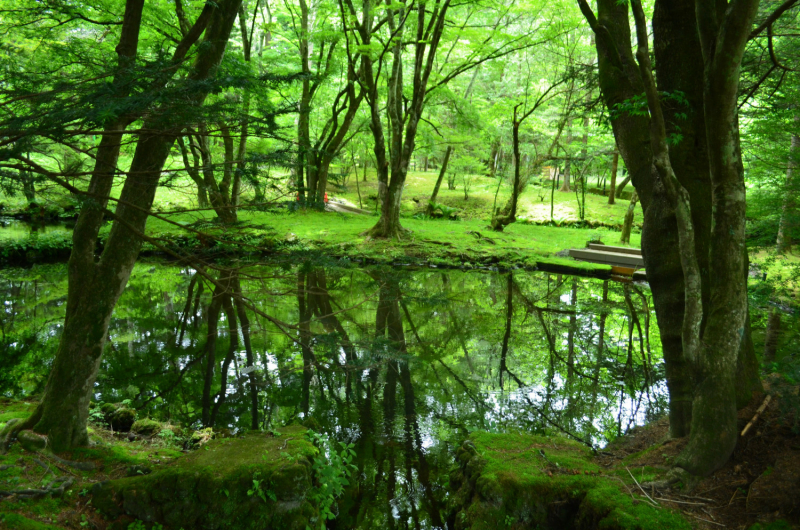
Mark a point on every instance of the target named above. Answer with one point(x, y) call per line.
point(56, 488)
point(379, 232)
point(673, 476)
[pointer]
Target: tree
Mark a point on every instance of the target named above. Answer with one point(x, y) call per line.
point(697, 270)
point(96, 284)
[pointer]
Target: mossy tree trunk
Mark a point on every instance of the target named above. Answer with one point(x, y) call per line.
point(96, 284)
point(699, 376)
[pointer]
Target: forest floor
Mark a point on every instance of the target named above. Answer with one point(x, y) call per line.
point(759, 485)
point(31, 497)
point(460, 238)
point(755, 490)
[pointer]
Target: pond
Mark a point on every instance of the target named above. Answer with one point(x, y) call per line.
point(402, 363)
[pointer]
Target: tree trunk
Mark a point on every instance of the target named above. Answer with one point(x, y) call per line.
point(194, 172)
point(622, 185)
point(567, 169)
point(565, 184)
point(628, 224)
point(95, 286)
point(28, 186)
point(677, 54)
point(612, 187)
point(212, 326)
point(507, 333)
point(442, 171)
point(244, 322)
point(509, 214)
point(304, 109)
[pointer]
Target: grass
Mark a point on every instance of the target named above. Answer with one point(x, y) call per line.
point(463, 243)
point(430, 241)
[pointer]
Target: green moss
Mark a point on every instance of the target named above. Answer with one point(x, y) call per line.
point(10, 410)
point(122, 419)
point(776, 525)
point(548, 481)
point(14, 521)
point(146, 427)
point(256, 481)
point(47, 508)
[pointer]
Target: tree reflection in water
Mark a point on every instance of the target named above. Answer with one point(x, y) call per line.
point(404, 364)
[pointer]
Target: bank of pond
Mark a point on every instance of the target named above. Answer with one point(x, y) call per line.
point(329, 395)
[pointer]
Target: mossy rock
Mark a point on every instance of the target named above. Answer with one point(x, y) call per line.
point(522, 481)
point(146, 427)
point(213, 488)
point(122, 420)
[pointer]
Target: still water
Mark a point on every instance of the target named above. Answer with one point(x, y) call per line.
point(402, 363)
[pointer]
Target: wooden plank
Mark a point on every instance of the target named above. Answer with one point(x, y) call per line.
point(608, 258)
point(622, 271)
point(621, 250)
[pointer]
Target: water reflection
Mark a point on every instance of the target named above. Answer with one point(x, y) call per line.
point(401, 363)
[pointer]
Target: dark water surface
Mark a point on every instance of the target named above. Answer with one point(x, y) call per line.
point(401, 363)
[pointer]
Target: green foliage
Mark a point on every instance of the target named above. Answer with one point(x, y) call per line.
point(637, 106)
point(332, 469)
point(139, 525)
point(258, 489)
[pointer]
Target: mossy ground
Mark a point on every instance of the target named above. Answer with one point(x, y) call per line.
point(279, 460)
point(11, 409)
point(521, 481)
point(112, 456)
point(248, 482)
point(437, 242)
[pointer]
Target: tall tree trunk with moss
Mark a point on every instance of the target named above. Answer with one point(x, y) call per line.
point(707, 158)
point(96, 284)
